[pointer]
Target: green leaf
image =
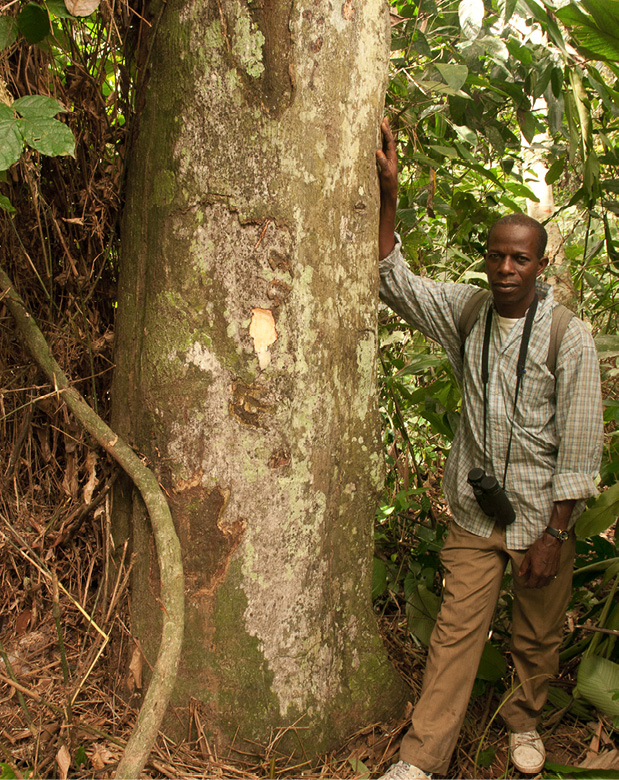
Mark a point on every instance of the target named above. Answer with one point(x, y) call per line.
point(595, 37)
point(8, 31)
point(35, 106)
point(486, 757)
point(597, 679)
point(548, 23)
point(555, 171)
point(422, 608)
point(453, 75)
point(33, 23)
point(58, 8)
point(577, 772)
point(529, 125)
point(11, 140)
point(560, 699)
point(601, 515)
point(81, 756)
point(48, 136)
point(7, 772)
point(604, 12)
point(508, 11)
point(6, 205)
point(610, 244)
point(359, 768)
point(556, 108)
point(521, 190)
point(492, 664)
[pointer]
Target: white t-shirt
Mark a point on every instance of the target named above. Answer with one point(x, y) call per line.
point(505, 325)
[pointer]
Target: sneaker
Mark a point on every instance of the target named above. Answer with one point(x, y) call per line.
point(527, 751)
point(404, 771)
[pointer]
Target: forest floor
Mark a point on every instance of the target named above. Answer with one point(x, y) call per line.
point(70, 707)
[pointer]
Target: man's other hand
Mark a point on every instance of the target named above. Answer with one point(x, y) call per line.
point(541, 562)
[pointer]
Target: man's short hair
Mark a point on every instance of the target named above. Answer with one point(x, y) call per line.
point(526, 221)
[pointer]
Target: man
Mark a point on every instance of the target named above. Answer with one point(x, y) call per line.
point(540, 436)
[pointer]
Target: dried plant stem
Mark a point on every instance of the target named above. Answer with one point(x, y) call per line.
point(56, 612)
point(32, 558)
point(20, 695)
point(167, 543)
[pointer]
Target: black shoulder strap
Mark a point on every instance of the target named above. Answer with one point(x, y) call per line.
point(561, 317)
point(469, 315)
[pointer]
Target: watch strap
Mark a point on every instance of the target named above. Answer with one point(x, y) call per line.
point(562, 536)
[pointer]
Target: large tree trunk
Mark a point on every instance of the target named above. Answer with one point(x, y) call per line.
point(246, 344)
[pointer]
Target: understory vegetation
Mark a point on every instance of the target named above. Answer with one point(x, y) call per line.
point(496, 106)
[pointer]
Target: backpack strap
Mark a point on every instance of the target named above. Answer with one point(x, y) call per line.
point(469, 315)
point(561, 317)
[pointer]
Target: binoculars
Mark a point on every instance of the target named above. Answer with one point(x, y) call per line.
point(491, 497)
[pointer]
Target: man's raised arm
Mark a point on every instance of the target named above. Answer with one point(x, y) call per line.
point(387, 161)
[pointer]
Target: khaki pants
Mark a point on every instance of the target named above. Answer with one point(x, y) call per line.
point(474, 568)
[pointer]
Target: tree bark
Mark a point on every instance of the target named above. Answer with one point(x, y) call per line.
point(246, 357)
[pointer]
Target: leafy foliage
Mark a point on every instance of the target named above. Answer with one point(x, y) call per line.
point(31, 120)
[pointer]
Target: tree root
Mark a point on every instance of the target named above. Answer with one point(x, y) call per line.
point(168, 546)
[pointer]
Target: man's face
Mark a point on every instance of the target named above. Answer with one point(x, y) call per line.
point(512, 267)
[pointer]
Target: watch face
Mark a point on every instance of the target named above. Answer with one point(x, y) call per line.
point(562, 536)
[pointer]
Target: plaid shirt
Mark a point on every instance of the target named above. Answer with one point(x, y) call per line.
point(557, 426)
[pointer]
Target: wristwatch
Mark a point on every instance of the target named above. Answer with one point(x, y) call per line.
point(562, 536)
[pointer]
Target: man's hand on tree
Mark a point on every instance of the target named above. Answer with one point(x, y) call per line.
point(387, 163)
point(387, 166)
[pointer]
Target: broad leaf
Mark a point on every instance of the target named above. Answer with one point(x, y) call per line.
point(604, 12)
point(33, 23)
point(579, 772)
point(555, 171)
point(454, 75)
point(8, 31)
point(48, 136)
point(492, 664)
point(35, 106)
point(597, 680)
point(6, 205)
point(599, 42)
point(601, 515)
point(58, 8)
point(421, 610)
point(11, 141)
